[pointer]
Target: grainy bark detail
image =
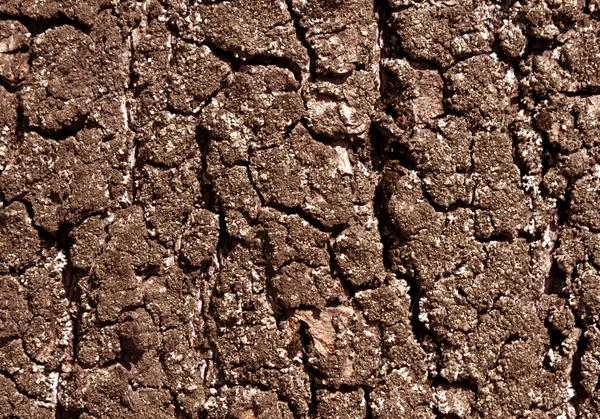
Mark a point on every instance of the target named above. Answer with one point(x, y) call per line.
point(299, 209)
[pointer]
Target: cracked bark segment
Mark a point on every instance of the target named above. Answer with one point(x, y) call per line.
point(14, 313)
point(153, 335)
point(168, 196)
point(575, 246)
point(21, 242)
point(359, 255)
point(186, 355)
point(568, 68)
point(402, 394)
point(254, 110)
point(115, 286)
point(546, 20)
point(236, 301)
point(96, 346)
point(198, 75)
point(223, 209)
point(513, 338)
point(94, 393)
point(237, 198)
point(18, 404)
point(584, 287)
point(512, 39)
point(314, 177)
point(12, 400)
point(344, 348)
point(482, 88)
point(149, 58)
point(297, 285)
point(389, 306)
point(260, 29)
point(416, 94)
point(501, 210)
point(445, 34)
point(14, 56)
point(568, 124)
point(288, 238)
point(577, 256)
point(200, 238)
point(8, 126)
point(297, 255)
point(151, 46)
point(505, 262)
point(341, 110)
point(331, 26)
point(254, 347)
point(83, 12)
point(428, 256)
point(14, 36)
point(32, 380)
point(36, 346)
point(69, 72)
point(113, 261)
point(247, 402)
point(528, 148)
point(451, 307)
point(584, 193)
point(442, 153)
point(552, 392)
point(457, 401)
point(169, 141)
point(406, 205)
point(25, 167)
point(590, 364)
point(87, 242)
point(341, 405)
point(127, 234)
point(72, 179)
point(590, 407)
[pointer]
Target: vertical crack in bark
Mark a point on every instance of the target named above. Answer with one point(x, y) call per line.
point(301, 35)
point(129, 98)
point(580, 394)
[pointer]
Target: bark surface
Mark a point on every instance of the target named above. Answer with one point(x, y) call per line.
point(299, 209)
